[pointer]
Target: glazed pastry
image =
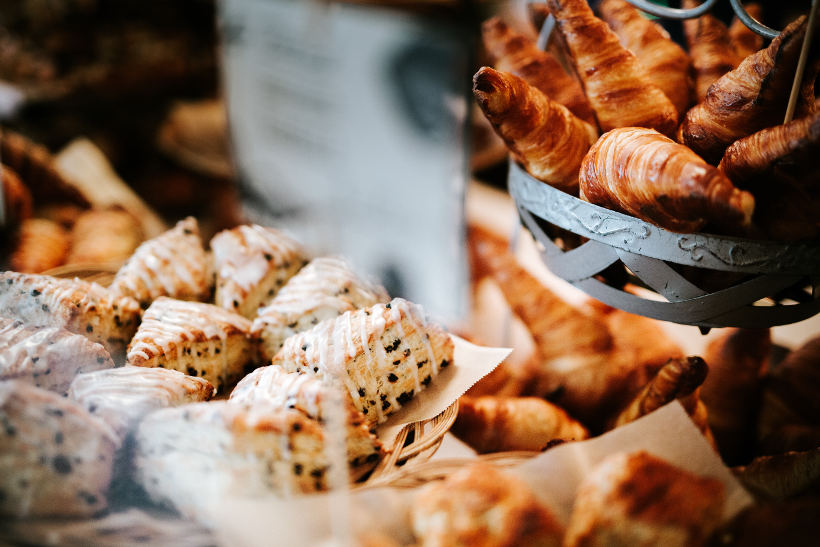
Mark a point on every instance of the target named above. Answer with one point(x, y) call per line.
point(252, 263)
point(710, 47)
point(515, 53)
point(195, 338)
point(481, 506)
point(17, 198)
point(47, 357)
point(172, 264)
point(121, 397)
point(542, 135)
point(640, 172)
point(324, 289)
point(749, 98)
point(104, 235)
point(57, 458)
point(638, 499)
point(41, 245)
point(497, 424)
point(75, 305)
point(667, 65)
point(744, 40)
point(309, 395)
point(382, 355)
point(616, 84)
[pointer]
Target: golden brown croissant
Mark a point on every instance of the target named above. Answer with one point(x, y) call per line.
point(104, 235)
point(744, 40)
point(515, 53)
point(747, 99)
point(543, 135)
point(17, 198)
point(41, 245)
point(497, 424)
point(737, 361)
point(710, 49)
point(615, 83)
point(667, 65)
point(643, 173)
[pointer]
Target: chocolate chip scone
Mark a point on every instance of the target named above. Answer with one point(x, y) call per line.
point(309, 395)
point(195, 338)
point(122, 396)
point(325, 288)
point(75, 305)
point(191, 457)
point(47, 357)
point(382, 355)
point(252, 263)
point(172, 264)
point(55, 458)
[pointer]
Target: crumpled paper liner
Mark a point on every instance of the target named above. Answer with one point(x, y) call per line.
point(341, 518)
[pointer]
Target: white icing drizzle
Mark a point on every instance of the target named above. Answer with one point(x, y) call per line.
point(282, 389)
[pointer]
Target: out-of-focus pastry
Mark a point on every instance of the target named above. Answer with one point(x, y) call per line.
point(737, 362)
point(496, 424)
point(383, 355)
point(325, 288)
point(639, 339)
point(47, 357)
point(309, 395)
point(41, 245)
point(710, 48)
point(744, 40)
point(543, 135)
point(643, 173)
point(16, 197)
point(57, 458)
point(196, 135)
point(75, 305)
point(749, 98)
point(667, 65)
point(172, 264)
point(64, 214)
point(104, 235)
point(616, 84)
point(195, 338)
point(517, 54)
point(479, 505)
point(781, 476)
point(252, 263)
point(121, 397)
point(638, 499)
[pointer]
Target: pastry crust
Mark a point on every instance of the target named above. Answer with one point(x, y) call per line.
point(172, 264)
point(17, 198)
point(744, 40)
point(104, 236)
point(325, 288)
point(252, 263)
point(41, 245)
point(710, 47)
point(195, 338)
point(57, 459)
point(77, 306)
point(47, 357)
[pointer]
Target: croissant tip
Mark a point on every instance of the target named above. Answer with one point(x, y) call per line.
point(485, 80)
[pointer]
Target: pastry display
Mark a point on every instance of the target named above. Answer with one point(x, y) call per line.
point(47, 357)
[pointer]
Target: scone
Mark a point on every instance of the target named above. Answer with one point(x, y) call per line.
point(382, 355)
point(307, 394)
point(195, 338)
point(638, 499)
point(252, 263)
point(172, 264)
point(55, 458)
point(47, 357)
point(121, 397)
point(325, 288)
point(193, 456)
point(481, 506)
point(75, 305)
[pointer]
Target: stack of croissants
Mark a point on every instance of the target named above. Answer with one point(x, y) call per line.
point(689, 141)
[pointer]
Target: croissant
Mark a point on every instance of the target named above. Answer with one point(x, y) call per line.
point(737, 361)
point(17, 198)
point(749, 98)
point(744, 40)
point(614, 81)
point(643, 173)
point(543, 135)
point(496, 424)
point(667, 65)
point(104, 235)
point(710, 49)
point(41, 245)
point(515, 53)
